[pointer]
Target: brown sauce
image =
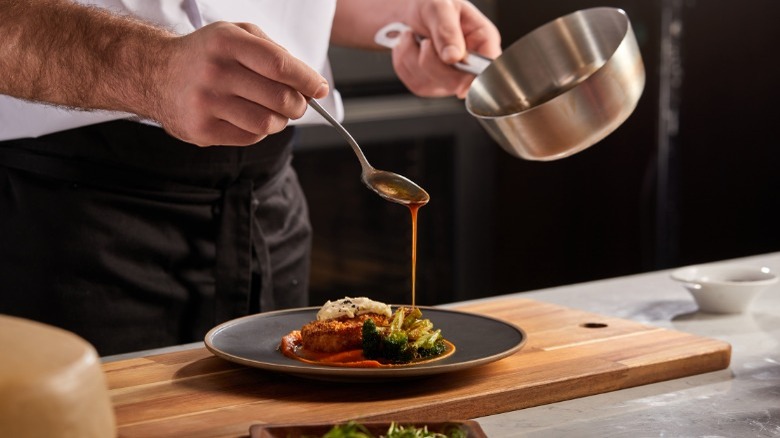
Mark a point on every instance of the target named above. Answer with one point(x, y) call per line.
point(413, 208)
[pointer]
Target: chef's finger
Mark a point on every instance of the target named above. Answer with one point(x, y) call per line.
point(280, 98)
point(443, 23)
point(213, 131)
point(445, 79)
point(256, 31)
point(481, 35)
point(406, 62)
point(249, 116)
point(267, 58)
point(231, 135)
point(421, 70)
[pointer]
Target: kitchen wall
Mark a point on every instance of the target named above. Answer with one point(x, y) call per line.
point(692, 176)
point(728, 149)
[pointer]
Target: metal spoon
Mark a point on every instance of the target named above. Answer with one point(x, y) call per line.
point(391, 186)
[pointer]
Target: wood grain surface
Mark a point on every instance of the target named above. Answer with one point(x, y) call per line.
point(569, 354)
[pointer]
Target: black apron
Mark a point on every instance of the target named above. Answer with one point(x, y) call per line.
point(134, 240)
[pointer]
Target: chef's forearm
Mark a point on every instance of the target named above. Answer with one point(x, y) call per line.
point(63, 53)
point(357, 21)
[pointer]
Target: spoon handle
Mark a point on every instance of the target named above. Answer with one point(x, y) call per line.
point(389, 35)
point(344, 133)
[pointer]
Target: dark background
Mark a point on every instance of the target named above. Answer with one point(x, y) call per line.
point(691, 177)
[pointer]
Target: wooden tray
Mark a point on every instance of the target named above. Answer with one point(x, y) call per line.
point(569, 354)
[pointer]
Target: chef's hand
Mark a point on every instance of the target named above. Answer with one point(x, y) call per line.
point(451, 28)
point(230, 84)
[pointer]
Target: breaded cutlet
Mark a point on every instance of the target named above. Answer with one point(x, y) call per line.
point(334, 335)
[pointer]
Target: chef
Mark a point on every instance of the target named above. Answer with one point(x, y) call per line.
point(146, 191)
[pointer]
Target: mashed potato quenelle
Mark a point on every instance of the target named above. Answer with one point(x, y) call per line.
point(352, 307)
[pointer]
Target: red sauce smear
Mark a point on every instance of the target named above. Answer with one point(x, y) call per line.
point(291, 346)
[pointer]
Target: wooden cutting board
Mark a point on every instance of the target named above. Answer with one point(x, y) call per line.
point(569, 354)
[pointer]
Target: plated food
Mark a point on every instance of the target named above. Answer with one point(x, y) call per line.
point(362, 333)
point(371, 429)
point(395, 430)
point(253, 341)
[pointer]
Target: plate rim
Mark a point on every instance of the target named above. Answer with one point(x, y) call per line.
point(303, 369)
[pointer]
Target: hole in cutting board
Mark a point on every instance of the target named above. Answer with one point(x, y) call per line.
point(593, 325)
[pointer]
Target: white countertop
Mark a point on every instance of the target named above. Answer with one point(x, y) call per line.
point(741, 401)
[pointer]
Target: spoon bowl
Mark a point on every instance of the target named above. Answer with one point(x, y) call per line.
point(395, 187)
point(390, 186)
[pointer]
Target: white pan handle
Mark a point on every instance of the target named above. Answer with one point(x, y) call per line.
point(389, 35)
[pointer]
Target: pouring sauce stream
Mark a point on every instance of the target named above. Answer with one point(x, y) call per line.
point(413, 208)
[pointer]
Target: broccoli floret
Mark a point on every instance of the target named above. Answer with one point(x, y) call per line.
point(397, 324)
point(428, 339)
point(406, 338)
point(411, 316)
point(395, 348)
point(429, 345)
point(439, 347)
point(392, 347)
point(372, 340)
point(419, 328)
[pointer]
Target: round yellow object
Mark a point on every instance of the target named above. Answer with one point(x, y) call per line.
point(51, 383)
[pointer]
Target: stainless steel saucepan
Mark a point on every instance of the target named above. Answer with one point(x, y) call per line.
point(557, 90)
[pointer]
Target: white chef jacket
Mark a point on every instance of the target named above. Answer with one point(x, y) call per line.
point(301, 26)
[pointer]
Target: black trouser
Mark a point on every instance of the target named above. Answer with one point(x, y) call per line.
point(135, 240)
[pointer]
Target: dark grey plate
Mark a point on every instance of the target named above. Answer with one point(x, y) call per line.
point(254, 340)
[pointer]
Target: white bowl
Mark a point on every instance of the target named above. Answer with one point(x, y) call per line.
point(724, 288)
